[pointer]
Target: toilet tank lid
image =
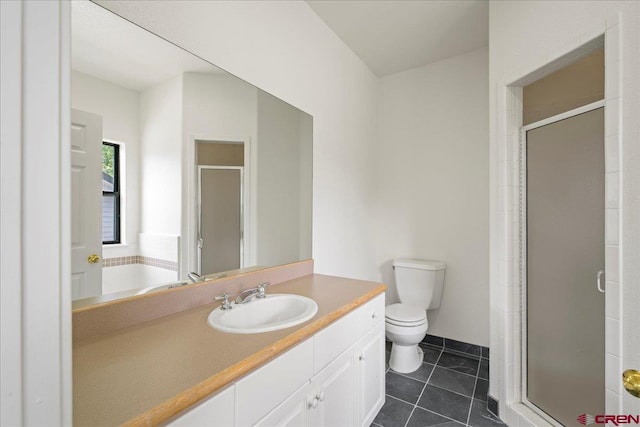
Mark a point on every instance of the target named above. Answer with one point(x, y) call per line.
point(419, 264)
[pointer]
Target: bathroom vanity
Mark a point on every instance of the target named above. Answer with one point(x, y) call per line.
point(333, 378)
point(178, 370)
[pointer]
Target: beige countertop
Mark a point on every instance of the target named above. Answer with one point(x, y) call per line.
point(147, 373)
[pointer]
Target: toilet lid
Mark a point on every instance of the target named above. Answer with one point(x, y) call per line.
point(405, 313)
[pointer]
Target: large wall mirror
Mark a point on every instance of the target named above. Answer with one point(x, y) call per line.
point(178, 167)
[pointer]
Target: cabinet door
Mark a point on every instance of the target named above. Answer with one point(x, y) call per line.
point(370, 366)
point(332, 401)
point(213, 411)
point(292, 412)
point(266, 388)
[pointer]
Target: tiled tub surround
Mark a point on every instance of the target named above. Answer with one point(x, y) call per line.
point(147, 372)
point(131, 273)
point(139, 259)
point(152, 260)
point(449, 389)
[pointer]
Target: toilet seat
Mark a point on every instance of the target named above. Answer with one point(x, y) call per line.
point(407, 315)
point(404, 324)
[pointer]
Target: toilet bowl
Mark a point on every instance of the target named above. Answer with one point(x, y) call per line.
point(405, 326)
point(419, 285)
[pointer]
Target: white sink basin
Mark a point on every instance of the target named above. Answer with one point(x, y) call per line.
point(276, 311)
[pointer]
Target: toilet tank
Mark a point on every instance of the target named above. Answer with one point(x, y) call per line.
point(419, 282)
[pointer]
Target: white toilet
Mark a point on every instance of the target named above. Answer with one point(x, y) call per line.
point(419, 285)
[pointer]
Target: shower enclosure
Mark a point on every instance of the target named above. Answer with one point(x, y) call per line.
point(564, 206)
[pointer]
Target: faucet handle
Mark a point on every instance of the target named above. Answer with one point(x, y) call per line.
point(225, 301)
point(261, 289)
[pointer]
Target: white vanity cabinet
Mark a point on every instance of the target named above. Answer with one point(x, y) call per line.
point(331, 402)
point(334, 378)
point(214, 411)
point(370, 366)
point(266, 388)
point(325, 400)
point(348, 386)
point(293, 412)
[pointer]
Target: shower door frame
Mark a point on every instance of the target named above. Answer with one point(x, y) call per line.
point(523, 240)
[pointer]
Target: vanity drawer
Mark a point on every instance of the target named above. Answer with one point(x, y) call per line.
point(334, 339)
point(370, 314)
point(264, 389)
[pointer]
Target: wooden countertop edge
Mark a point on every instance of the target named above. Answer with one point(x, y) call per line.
point(180, 402)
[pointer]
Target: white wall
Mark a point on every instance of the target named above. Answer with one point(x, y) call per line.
point(433, 185)
point(161, 157)
point(305, 185)
point(286, 49)
point(278, 206)
point(223, 107)
point(119, 108)
point(218, 107)
point(523, 37)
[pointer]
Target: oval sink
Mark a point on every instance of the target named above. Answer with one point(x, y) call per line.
point(276, 311)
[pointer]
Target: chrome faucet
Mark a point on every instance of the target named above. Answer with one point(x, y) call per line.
point(226, 305)
point(257, 292)
point(195, 277)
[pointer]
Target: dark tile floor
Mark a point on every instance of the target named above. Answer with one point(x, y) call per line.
point(449, 389)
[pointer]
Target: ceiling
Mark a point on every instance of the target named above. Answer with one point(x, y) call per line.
point(110, 48)
point(393, 36)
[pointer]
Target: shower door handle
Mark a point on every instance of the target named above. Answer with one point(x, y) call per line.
point(599, 280)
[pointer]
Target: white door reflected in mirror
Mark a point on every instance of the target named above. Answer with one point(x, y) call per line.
point(86, 227)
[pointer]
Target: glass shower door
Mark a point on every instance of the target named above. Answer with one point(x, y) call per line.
point(565, 191)
point(220, 217)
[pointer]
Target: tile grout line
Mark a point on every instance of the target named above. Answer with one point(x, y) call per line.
point(442, 367)
point(435, 365)
point(450, 391)
point(441, 415)
point(454, 352)
point(415, 405)
point(451, 349)
point(415, 379)
point(423, 389)
point(463, 353)
point(459, 372)
point(425, 409)
point(473, 394)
